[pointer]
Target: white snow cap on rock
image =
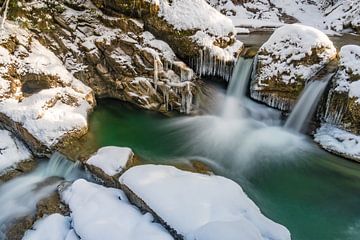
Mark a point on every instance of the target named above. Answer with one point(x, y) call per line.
point(52, 227)
point(291, 43)
point(12, 151)
point(195, 14)
point(111, 160)
point(201, 207)
point(98, 213)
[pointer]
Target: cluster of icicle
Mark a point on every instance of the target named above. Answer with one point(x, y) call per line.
point(272, 100)
point(208, 64)
point(180, 88)
point(334, 113)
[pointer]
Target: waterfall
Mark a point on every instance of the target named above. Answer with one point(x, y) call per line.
point(236, 92)
point(306, 104)
point(19, 196)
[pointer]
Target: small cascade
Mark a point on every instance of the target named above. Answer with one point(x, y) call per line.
point(236, 92)
point(240, 78)
point(19, 196)
point(307, 104)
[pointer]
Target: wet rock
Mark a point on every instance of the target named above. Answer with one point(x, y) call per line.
point(292, 56)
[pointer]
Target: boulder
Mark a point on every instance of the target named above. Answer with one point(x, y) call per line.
point(108, 163)
point(292, 56)
point(196, 206)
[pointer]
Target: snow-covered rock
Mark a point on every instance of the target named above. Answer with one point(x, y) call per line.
point(338, 141)
point(194, 29)
point(340, 132)
point(12, 151)
point(200, 206)
point(40, 99)
point(344, 15)
point(105, 213)
point(292, 55)
point(52, 227)
point(329, 16)
point(108, 163)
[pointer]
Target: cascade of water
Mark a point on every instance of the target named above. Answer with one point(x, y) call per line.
point(306, 104)
point(236, 92)
point(19, 197)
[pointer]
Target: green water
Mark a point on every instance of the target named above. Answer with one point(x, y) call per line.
point(314, 194)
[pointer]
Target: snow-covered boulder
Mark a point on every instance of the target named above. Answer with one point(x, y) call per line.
point(108, 163)
point(196, 31)
point(291, 56)
point(13, 155)
point(52, 227)
point(40, 100)
point(98, 212)
point(343, 16)
point(342, 108)
point(196, 206)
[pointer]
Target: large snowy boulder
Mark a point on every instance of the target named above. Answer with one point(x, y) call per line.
point(197, 32)
point(342, 108)
point(98, 212)
point(14, 156)
point(196, 206)
point(291, 56)
point(39, 99)
point(108, 163)
point(344, 15)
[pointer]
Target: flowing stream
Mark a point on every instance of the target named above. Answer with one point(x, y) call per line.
point(306, 105)
point(314, 194)
point(18, 197)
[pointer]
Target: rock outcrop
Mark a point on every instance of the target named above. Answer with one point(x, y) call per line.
point(292, 56)
point(198, 33)
point(344, 16)
point(341, 115)
point(40, 101)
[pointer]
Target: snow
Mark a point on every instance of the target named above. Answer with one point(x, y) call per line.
point(111, 160)
point(98, 212)
point(337, 140)
point(348, 76)
point(195, 14)
point(200, 206)
point(50, 113)
point(12, 151)
point(274, 13)
point(289, 45)
point(52, 227)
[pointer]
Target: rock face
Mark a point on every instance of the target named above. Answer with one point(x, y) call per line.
point(40, 100)
point(341, 116)
point(198, 33)
point(292, 56)
point(206, 206)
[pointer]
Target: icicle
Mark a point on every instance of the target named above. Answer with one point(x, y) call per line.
point(158, 67)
